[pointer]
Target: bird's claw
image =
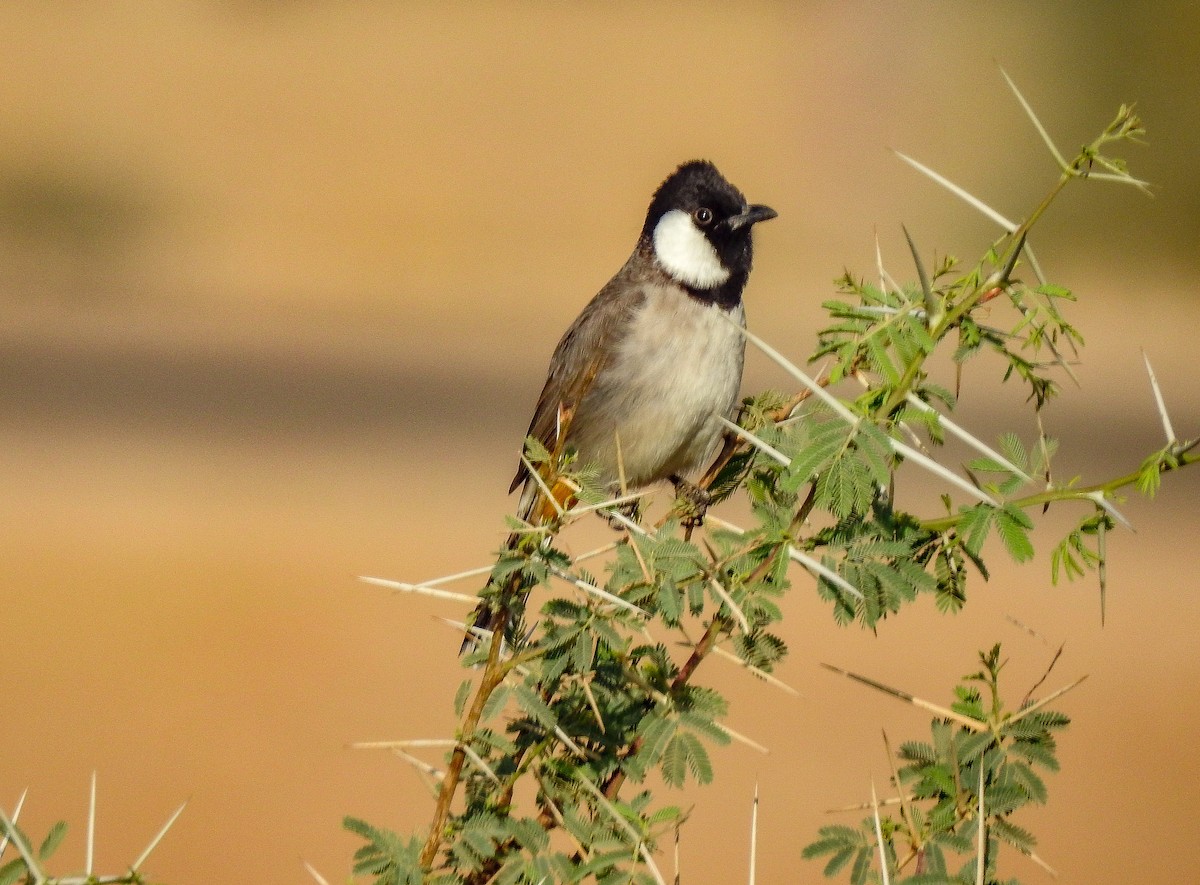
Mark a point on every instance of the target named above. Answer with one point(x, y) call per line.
point(631, 510)
point(692, 502)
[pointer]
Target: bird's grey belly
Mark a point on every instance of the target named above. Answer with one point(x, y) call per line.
point(653, 411)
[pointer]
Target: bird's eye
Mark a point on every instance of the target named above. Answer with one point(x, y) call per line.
point(703, 216)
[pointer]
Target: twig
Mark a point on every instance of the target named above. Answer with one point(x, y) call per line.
point(965, 721)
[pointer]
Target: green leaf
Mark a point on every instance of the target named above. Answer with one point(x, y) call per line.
point(845, 488)
point(824, 440)
point(486, 737)
point(670, 601)
point(582, 652)
point(937, 780)
point(974, 527)
point(655, 730)
point(1013, 526)
point(675, 761)
point(697, 758)
point(496, 703)
point(1046, 720)
point(935, 863)
point(989, 465)
point(1037, 753)
point(460, 697)
point(705, 701)
point(1006, 831)
point(970, 747)
point(1014, 450)
point(759, 648)
point(53, 840)
point(536, 451)
point(1033, 785)
point(838, 861)
point(12, 872)
point(534, 706)
point(528, 833)
point(668, 814)
point(705, 726)
point(915, 751)
point(833, 838)
point(881, 362)
point(872, 443)
point(388, 857)
point(862, 866)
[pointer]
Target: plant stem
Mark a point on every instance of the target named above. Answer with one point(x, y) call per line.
point(957, 311)
point(493, 674)
point(1049, 496)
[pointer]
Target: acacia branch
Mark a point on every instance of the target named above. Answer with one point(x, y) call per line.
point(1184, 458)
point(493, 674)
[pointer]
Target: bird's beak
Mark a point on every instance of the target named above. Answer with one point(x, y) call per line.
point(752, 215)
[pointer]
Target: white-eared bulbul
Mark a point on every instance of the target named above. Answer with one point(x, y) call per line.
point(638, 381)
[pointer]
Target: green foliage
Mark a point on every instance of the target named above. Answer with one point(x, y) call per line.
point(1081, 548)
point(53, 840)
point(601, 694)
point(390, 859)
point(993, 751)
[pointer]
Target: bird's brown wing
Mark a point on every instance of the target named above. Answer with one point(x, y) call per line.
point(579, 358)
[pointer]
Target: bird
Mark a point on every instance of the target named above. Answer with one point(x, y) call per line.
point(640, 381)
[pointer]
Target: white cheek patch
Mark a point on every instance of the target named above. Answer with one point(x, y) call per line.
point(685, 253)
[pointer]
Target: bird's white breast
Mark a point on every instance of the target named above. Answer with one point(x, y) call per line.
point(678, 367)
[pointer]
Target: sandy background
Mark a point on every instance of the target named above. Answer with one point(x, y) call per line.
point(278, 284)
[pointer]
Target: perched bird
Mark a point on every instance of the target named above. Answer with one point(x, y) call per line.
point(638, 381)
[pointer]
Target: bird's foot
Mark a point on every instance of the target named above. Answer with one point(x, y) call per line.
point(631, 510)
point(691, 502)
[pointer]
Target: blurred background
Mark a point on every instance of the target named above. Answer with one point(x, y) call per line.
point(278, 286)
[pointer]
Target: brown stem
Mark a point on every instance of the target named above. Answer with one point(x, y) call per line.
point(493, 675)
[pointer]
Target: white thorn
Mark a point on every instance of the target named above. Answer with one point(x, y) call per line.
point(1058, 157)
point(91, 828)
point(312, 871)
point(969, 438)
point(824, 571)
point(157, 838)
point(764, 447)
point(883, 864)
point(1112, 511)
point(422, 589)
point(1162, 406)
point(959, 192)
point(754, 837)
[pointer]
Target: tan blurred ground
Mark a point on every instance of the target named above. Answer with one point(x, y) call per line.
point(278, 285)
